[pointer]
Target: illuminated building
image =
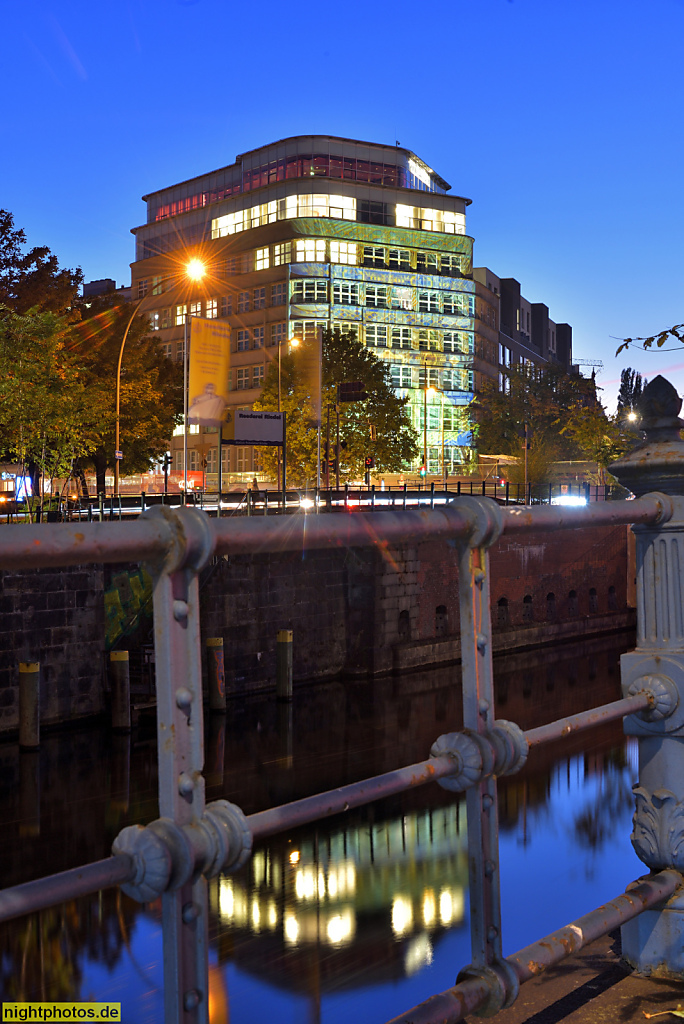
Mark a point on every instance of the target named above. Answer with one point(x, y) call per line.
point(317, 231)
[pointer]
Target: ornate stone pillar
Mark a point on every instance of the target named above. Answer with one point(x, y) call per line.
point(653, 943)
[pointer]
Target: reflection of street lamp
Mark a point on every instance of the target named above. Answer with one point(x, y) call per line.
point(195, 271)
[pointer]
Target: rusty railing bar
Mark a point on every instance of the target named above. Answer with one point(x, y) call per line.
point(649, 509)
point(451, 1006)
point(66, 885)
point(335, 801)
point(587, 719)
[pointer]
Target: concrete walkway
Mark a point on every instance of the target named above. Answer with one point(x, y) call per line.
point(591, 988)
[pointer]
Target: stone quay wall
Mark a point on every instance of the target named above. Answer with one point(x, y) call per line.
point(356, 612)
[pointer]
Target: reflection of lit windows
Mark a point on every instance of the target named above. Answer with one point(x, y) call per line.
point(256, 916)
point(376, 295)
point(291, 929)
point(429, 907)
point(211, 309)
point(346, 293)
point(341, 927)
point(343, 252)
point(271, 915)
point(261, 259)
point(180, 315)
point(282, 253)
point(376, 335)
point(309, 291)
point(294, 857)
point(226, 898)
point(305, 884)
point(418, 954)
point(310, 250)
point(402, 915)
point(259, 867)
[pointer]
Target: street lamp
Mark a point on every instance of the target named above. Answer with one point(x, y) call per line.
point(293, 343)
point(194, 270)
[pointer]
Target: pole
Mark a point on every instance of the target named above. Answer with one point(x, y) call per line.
point(284, 460)
point(284, 664)
point(337, 448)
point(119, 674)
point(216, 675)
point(327, 448)
point(425, 420)
point(29, 705)
point(118, 392)
point(526, 463)
point(185, 409)
point(320, 409)
point(220, 471)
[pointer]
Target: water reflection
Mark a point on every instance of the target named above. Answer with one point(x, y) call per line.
point(375, 898)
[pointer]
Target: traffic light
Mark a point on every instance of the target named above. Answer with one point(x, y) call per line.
point(370, 462)
point(423, 471)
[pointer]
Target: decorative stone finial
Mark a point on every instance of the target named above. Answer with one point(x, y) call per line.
point(658, 463)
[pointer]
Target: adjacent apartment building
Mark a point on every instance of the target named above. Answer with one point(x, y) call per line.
point(318, 231)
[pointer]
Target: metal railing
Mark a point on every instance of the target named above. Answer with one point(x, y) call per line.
point(173, 857)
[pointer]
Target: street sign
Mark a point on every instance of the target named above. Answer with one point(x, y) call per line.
point(351, 391)
point(118, 455)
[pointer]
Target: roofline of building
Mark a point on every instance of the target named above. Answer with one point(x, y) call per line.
point(336, 138)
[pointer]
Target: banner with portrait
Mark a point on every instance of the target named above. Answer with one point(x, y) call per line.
point(209, 371)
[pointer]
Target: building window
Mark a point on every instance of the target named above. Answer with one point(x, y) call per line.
point(166, 349)
point(258, 337)
point(432, 382)
point(426, 262)
point(181, 313)
point(429, 341)
point(343, 252)
point(261, 259)
point(400, 259)
point(226, 305)
point(307, 330)
point(376, 335)
point(142, 288)
point(243, 302)
point(345, 293)
point(376, 295)
point(157, 284)
point(278, 294)
point(402, 298)
point(178, 461)
point(309, 291)
point(278, 334)
point(243, 460)
point(180, 351)
point(155, 321)
point(347, 328)
point(195, 309)
point(428, 302)
point(450, 303)
point(166, 318)
point(282, 253)
point(257, 376)
point(423, 219)
point(259, 298)
point(401, 337)
point(243, 341)
point(310, 250)
point(211, 309)
point(373, 256)
point(402, 376)
point(242, 378)
point(212, 460)
point(451, 264)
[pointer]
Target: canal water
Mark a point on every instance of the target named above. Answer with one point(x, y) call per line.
point(360, 916)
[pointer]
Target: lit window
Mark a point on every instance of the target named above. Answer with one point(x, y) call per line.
point(309, 291)
point(181, 313)
point(430, 220)
point(259, 298)
point(343, 252)
point(428, 302)
point(258, 337)
point(155, 321)
point(451, 341)
point(212, 460)
point(376, 295)
point(429, 341)
point(373, 256)
point(401, 337)
point(310, 250)
point(426, 262)
point(257, 376)
point(278, 294)
point(278, 334)
point(450, 303)
point(226, 305)
point(401, 375)
point(451, 264)
point(261, 259)
point(243, 460)
point(400, 259)
point(195, 309)
point(243, 378)
point(243, 302)
point(142, 288)
point(243, 341)
point(282, 254)
point(157, 285)
point(433, 377)
point(347, 327)
point(376, 335)
point(308, 329)
point(402, 298)
point(211, 309)
point(345, 293)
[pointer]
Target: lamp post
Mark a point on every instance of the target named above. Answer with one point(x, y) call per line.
point(425, 394)
point(292, 342)
point(195, 271)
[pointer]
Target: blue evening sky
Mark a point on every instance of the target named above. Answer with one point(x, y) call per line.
point(560, 119)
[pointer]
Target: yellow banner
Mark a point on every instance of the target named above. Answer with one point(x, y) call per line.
point(62, 1011)
point(209, 372)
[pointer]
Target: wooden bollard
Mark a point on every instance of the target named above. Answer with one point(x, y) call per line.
point(120, 680)
point(29, 705)
point(284, 665)
point(216, 675)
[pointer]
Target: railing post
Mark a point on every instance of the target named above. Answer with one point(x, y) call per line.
point(216, 673)
point(180, 744)
point(478, 717)
point(284, 664)
point(119, 675)
point(29, 705)
point(653, 943)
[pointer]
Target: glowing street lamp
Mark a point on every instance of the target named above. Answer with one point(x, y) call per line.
point(195, 271)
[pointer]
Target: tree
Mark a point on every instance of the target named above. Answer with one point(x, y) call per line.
point(631, 388)
point(393, 443)
point(33, 279)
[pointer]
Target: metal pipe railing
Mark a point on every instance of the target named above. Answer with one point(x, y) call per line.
point(451, 1006)
point(586, 719)
point(66, 885)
